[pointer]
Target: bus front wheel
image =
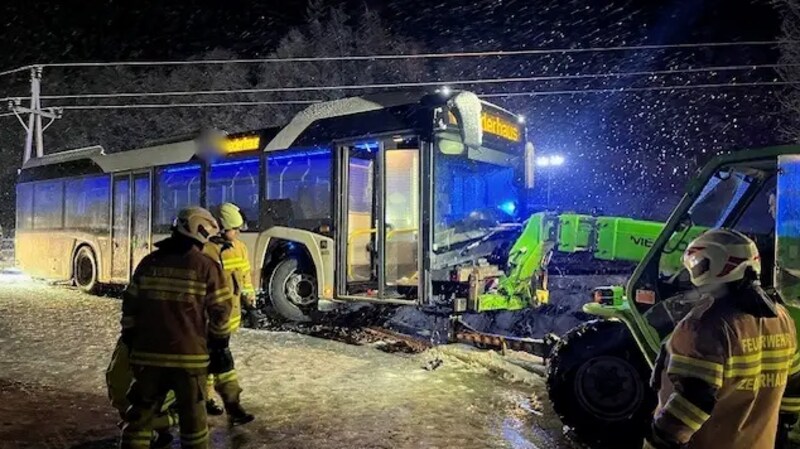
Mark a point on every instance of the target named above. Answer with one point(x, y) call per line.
point(293, 290)
point(84, 270)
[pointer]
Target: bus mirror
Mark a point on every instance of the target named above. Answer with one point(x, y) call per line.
point(467, 108)
point(451, 147)
point(530, 165)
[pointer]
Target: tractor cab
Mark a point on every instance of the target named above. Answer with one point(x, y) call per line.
point(599, 372)
point(741, 193)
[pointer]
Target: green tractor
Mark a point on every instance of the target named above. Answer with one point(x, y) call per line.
point(598, 373)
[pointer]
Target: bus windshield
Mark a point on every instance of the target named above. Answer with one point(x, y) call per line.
point(475, 190)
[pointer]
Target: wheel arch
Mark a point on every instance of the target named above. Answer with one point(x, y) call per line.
point(94, 248)
point(278, 242)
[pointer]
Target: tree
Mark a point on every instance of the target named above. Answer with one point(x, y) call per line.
point(328, 31)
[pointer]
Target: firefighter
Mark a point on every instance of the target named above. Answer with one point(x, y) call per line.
point(118, 381)
point(232, 255)
point(729, 375)
point(175, 315)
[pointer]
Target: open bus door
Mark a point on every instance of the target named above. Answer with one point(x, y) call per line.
point(379, 220)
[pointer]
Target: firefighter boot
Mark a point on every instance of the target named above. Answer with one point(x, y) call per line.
point(163, 440)
point(213, 409)
point(237, 416)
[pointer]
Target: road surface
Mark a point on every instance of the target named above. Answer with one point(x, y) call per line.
point(306, 392)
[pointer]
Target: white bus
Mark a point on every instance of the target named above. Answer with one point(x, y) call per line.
point(389, 198)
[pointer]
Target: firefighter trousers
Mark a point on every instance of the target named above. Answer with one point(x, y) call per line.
point(150, 385)
point(226, 385)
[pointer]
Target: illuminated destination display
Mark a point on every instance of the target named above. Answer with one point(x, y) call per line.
point(495, 125)
point(499, 126)
point(240, 144)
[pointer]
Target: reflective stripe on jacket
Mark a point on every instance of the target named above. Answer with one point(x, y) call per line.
point(235, 261)
point(177, 299)
point(724, 378)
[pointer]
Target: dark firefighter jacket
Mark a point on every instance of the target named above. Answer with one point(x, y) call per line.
point(724, 374)
point(177, 299)
point(235, 261)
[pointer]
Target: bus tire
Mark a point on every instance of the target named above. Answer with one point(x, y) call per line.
point(84, 270)
point(293, 290)
point(597, 381)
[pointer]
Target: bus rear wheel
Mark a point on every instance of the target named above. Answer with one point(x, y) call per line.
point(293, 290)
point(84, 270)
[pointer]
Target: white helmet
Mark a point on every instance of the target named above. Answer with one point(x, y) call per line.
point(720, 256)
point(196, 223)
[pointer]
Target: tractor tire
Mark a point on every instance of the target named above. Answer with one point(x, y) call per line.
point(293, 291)
point(84, 270)
point(598, 382)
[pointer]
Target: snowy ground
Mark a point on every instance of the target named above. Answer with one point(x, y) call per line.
point(306, 392)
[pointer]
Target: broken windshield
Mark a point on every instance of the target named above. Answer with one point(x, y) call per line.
point(475, 190)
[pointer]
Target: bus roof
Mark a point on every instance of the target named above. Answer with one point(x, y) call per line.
point(317, 124)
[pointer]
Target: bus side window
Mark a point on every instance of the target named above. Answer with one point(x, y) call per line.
point(25, 206)
point(177, 187)
point(235, 181)
point(48, 205)
point(87, 203)
point(299, 186)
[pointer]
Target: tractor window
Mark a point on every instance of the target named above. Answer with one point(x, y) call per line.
point(787, 273)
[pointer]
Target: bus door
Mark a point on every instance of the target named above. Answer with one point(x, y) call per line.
point(380, 220)
point(130, 227)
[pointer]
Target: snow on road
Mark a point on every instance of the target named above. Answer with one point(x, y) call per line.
point(306, 392)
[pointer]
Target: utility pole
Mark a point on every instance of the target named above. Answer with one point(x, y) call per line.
point(34, 129)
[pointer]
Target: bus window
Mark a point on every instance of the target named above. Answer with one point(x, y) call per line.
point(235, 181)
point(25, 206)
point(303, 179)
point(48, 204)
point(177, 187)
point(86, 203)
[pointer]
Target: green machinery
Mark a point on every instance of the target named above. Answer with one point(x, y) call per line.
point(598, 373)
point(602, 238)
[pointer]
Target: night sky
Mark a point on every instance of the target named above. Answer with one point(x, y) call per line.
point(626, 153)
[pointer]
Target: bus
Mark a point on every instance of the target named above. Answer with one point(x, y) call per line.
point(388, 198)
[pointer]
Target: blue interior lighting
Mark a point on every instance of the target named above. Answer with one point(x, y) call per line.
point(294, 154)
point(369, 146)
point(236, 162)
point(508, 207)
point(181, 168)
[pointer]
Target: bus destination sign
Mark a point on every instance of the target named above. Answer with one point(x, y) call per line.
point(495, 125)
point(241, 144)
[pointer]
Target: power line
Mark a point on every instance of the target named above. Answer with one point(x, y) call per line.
point(411, 84)
point(17, 70)
point(472, 54)
point(635, 89)
point(486, 95)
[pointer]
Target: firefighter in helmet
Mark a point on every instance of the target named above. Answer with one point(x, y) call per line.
point(175, 315)
point(729, 375)
point(231, 253)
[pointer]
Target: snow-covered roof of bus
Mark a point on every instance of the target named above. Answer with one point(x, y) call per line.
point(338, 108)
point(169, 153)
point(173, 152)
